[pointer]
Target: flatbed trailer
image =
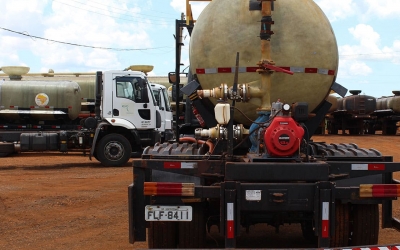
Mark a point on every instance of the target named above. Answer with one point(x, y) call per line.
point(334, 195)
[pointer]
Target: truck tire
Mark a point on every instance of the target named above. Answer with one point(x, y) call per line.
point(192, 234)
point(342, 229)
point(6, 149)
point(365, 224)
point(113, 150)
point(162, 234)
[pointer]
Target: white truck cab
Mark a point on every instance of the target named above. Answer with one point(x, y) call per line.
point(131, 103)
point(128, 118)
point(161, 95)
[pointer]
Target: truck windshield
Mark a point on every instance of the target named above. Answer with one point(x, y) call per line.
point(133, 88)
point(164, 95)
point(151, 93)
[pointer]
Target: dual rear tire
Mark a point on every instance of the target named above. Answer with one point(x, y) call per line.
point(356, 225)
point(365, 225)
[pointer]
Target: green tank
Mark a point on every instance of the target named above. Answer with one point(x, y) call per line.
point(39, 100)
point(88, 92)
point(394, 102)
point(379, 103)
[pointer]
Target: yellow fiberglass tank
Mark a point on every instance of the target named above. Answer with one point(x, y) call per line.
point(303, 41)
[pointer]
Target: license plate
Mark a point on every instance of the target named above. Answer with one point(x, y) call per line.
point(168, 213)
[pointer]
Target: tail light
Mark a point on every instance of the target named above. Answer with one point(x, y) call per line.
point(380, 190)
point(169, 189)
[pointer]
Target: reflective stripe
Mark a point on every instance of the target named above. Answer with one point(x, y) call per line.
point(325, 220)
point(179, 165)
point(375, 166)
point(36, 107)
point(374, 248)
point(230, 225)
point(254, 69)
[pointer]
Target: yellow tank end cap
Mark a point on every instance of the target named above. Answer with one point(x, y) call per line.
point(15, 70)
point(142, 68)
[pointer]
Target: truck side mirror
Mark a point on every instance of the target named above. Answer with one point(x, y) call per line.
point(171, 77)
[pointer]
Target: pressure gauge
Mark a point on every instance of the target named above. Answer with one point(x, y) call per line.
point(286, 107)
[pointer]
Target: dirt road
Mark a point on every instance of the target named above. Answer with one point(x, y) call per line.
point(55, 201)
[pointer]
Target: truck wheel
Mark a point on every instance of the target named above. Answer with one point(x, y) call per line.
point(113, 150)
point(136, 152)
point(192, 234)
point(162, 234)
point(365, 224)
point(341, 233)
point(6, 149)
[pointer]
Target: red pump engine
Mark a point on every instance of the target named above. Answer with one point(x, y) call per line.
point(283, 137)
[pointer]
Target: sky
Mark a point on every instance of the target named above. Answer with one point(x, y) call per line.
point(92, 35)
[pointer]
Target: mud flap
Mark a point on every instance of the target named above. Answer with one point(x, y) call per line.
point(136, 207)
point(131, 213)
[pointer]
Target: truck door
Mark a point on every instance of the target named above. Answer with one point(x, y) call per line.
point(161, 106)
point(164, 107)
point(133, 101)
point(168, 117)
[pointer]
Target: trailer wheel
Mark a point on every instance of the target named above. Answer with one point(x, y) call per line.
point(365, 224)
point(6, 149)
point(341, 233)
point(192, 234)
point(162, 234)
point(113, 150)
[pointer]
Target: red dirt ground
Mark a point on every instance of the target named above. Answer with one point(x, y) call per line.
point(56, 201)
